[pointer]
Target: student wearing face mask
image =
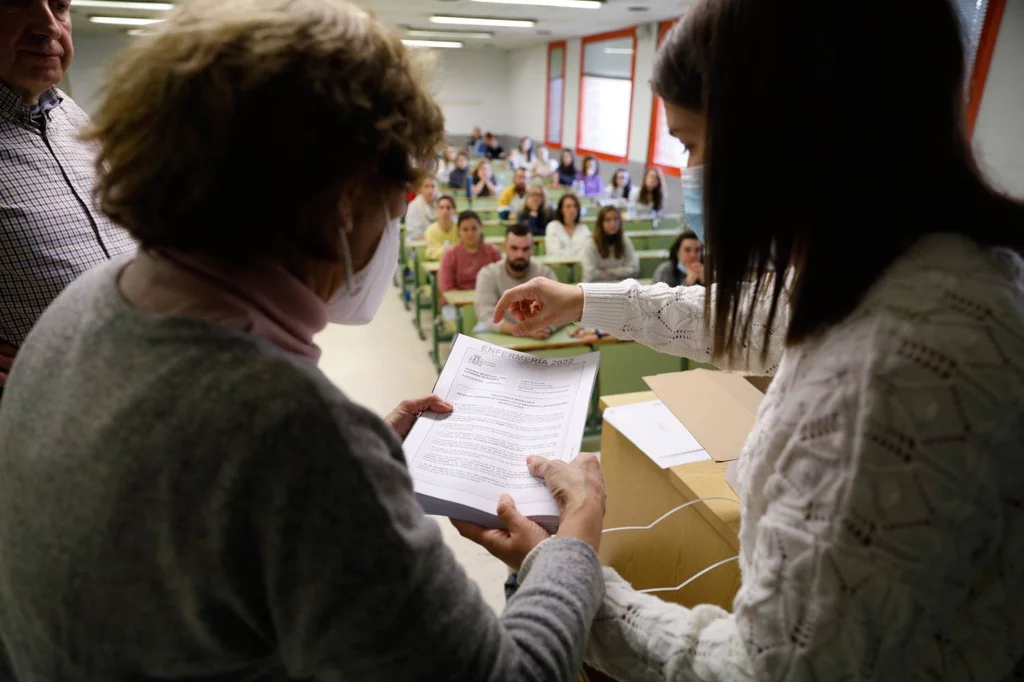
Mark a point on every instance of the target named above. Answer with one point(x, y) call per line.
point(184, 494)
point(882, 485)
point(609, 256)
point(685, 266)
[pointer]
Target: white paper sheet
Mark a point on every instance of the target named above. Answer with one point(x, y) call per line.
point(653, 428)
point(508, 405)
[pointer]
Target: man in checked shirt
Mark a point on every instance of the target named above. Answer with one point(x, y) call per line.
point(50, 231)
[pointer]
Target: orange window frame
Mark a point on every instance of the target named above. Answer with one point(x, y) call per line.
point(580, 150)
point(658, 112)
point(983, 60)
point(548, 141)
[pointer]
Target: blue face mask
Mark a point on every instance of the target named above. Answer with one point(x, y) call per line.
point(693, 198)
point(680, 268)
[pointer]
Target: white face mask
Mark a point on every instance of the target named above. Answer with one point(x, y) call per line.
point(357, 302)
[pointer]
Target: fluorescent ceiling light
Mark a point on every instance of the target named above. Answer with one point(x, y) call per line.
point(124, 21)
point(618, 50)
point(449, 44)
point(483, 21)
point(455, 35)
point(118, 4)
point(572, 4)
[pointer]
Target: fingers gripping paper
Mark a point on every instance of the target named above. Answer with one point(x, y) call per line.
point(508, 405)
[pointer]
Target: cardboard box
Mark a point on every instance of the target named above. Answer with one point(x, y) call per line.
point(718, 408)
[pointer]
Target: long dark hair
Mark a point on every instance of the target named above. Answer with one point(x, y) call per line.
point(655, 198)
point(628, 187)
point(572, 162)
point(528, 154)
point(673, 251)
point(853, 101)
point(569, 196)
point(606, 245)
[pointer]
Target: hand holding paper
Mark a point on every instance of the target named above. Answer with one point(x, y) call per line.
point(507, 405)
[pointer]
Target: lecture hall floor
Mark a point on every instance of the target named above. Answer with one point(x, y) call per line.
point(355, 359)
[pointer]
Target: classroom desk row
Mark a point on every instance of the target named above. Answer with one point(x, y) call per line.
point(649, 259)
point(642, 239)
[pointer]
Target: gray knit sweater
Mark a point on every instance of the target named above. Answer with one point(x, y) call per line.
point(182, 502)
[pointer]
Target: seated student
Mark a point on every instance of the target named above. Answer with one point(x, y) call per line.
point(446, 165)
point(522, 156)
point(536, 213)
point(511, 200)
point(684, 266)
point(650, 196)
point(493, 150)
point(566, 235)
point(620, 187)
point(609, 257)
point(543, 166)
point(566, 173)
point(421, 210)
point(461, 263)
point(443, 232)
point(591, 177)
point(477, 144)
point(458, 178)
point(497, 278)
point(482, 183)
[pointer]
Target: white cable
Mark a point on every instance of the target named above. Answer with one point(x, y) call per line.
point(690, 579)
point(669, 513)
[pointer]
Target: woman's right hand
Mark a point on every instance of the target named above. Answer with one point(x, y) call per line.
point(540, 303)
point(578, 487)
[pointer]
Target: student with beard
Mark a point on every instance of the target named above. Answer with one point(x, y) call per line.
point(515, 269)
point(610, 257)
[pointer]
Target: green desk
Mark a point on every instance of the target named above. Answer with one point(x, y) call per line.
point(560, 340)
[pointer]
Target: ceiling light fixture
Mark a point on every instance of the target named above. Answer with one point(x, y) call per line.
point(571, 4)
point(447, 44)
point(482, 21)
point(124, 21)
point(454, 35)
point(120, 4)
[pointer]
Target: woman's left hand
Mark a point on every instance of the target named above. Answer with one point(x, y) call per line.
point(404, 416)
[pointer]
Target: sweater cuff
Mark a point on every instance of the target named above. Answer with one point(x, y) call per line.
point(550, 549)
point(604, 305)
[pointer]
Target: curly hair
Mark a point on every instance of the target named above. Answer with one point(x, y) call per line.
point(238, 128)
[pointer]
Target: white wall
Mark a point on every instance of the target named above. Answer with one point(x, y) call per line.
point(999, 131)
point(93, 56)
point(473, 87)
point(528, 86)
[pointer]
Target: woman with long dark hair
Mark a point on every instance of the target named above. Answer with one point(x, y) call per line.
point(650, 194)
point(610, 256)
point(882, 485)
point(566, 235)
point(566, 173)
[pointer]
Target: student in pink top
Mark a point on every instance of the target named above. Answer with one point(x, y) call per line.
point(462, 262)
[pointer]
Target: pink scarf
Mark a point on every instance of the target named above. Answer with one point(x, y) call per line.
point(261, 299)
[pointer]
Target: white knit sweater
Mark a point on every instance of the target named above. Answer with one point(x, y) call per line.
point(882, 533)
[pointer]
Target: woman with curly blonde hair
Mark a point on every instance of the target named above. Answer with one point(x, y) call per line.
point(184, 494)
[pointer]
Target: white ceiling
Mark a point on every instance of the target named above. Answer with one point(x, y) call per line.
point(553, 23)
